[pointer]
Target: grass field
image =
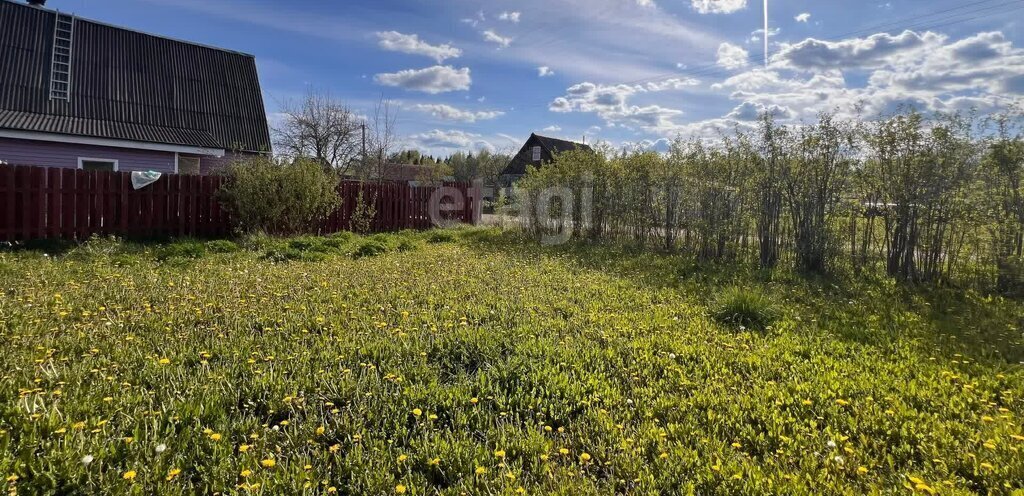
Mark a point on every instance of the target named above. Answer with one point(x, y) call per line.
point(470, 362)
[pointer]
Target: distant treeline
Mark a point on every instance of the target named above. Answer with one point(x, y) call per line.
point(927, 199)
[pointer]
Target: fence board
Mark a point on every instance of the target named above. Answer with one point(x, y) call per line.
point(38, 202)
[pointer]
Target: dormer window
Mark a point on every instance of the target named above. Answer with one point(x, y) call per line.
point(536, 154)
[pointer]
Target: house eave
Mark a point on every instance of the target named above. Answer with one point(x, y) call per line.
point(113, 143)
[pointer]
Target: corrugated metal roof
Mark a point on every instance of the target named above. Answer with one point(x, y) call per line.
point(128, 85)
point(553, 146)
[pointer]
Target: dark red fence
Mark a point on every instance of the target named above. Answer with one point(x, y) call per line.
point(40, 203)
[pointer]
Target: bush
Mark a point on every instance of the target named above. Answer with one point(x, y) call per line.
point(188, 249)
point(371, 248)
point(222, 246)
point(292, 254)
point(745, 308)
point(441, 237)
point(407, 244)
point(279, 197)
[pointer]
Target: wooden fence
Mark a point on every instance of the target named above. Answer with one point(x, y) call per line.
point(51, 203)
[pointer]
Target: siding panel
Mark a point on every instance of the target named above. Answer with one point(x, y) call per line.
point(63, 155)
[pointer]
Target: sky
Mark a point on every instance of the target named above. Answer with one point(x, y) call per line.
point(475, 74)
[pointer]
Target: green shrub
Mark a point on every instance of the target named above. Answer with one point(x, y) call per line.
point(279, 197)
point(744, 307)
point(441, 237)
point(186, 249)
point(222, 246)
point(371, 248)
point(292, 254)
point(408, 244)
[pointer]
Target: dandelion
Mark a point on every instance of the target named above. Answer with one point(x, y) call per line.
point(243, 448)
point(563, 451)
point(585, 457)
point(417, 412)
point(402, 458)
point(400, 489)
point(474, 400)
point(215, 436)
point(160, 448)
point(268, 463)
point(320, 431)
point(86, 460)
point(246, 473)
point(481, 471)
point(862, 470)
point(129, 475)
point(499, 453)
point(174, 472)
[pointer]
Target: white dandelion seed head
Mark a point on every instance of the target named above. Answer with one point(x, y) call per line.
point(160, 448)
point(87, 459)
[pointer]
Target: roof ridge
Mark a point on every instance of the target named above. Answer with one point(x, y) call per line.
point(133, 30)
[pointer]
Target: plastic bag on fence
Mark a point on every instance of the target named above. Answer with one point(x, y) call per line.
point(142, 179)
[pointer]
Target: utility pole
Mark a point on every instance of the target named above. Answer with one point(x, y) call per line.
point(363, 126)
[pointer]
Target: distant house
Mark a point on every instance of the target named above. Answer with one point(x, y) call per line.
point(77, 93)
point(536, 151)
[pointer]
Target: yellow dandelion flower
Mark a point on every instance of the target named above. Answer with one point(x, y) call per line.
point(268, 463)
point(585, 457)
point(174, 472)
point(400, 489)
point(129, 475)
point(862, 470)
point(246, 473)
point(481, 471)
point(499, 453)
point(215, 436)
point(402, 458)
point(417, 412)
point(320, 431)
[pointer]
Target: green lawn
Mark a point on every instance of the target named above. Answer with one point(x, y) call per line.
point(473, 363)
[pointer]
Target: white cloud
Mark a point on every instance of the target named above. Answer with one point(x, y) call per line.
point(545, 71)
point(751, 111)
point(611, 103)
point(493, 37)
point(510, 16)
point(552, 129)
point(731, 56)
point(718, 6)
point(803, 17)
point(873, 51)
point(645, 3)
point(450, 140)
point(756, 35)
point(433, 80)
point(411, 43)
point(449, 113)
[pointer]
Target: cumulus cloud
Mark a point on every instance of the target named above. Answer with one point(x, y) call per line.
point(645, 3)
point(545, 71)
point(450, 139)
point(718, 6)
point(610, 103)
point(731, 56)
point(433, 80)
point(510, 16)
point(751, 111)
point(493, 37)
point(412, 44)
point(872, 51)
point(450, 113)
point(803, 17)
point(552, 129)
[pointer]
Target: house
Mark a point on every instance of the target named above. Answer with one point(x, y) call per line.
point(78, 93)
point(536, 151)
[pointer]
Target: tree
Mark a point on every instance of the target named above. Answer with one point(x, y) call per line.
point(321, 128)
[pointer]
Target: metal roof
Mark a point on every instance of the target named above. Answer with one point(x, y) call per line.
point(553, 146)
point(129, 85)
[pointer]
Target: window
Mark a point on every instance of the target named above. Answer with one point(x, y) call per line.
point(536, 154)
point(188, 165)
point(97, 164)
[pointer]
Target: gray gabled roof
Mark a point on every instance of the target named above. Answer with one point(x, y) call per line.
point(128, 85)
point(553, 146)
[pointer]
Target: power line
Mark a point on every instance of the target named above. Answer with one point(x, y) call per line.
point(714, 70)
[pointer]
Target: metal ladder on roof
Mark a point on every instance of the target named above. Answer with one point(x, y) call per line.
point(60, 66)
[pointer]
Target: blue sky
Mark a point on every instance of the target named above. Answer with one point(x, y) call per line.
point(471, 74)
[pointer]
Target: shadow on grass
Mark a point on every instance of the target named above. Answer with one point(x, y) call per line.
point(868, 309)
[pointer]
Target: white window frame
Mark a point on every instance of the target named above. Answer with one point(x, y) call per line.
point(82, 160)
point(536, 153)
point(177, 158)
